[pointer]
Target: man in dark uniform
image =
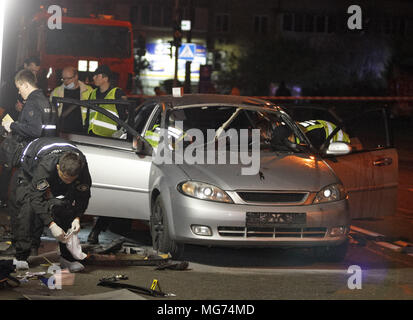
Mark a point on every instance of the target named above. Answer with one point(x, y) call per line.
point(52, 188)
point(13, 102)
point(37, 119)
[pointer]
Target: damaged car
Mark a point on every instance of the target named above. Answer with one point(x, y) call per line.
point(234, 171)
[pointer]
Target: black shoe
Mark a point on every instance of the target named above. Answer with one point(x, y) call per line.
point(93, 237)
point(3, 203)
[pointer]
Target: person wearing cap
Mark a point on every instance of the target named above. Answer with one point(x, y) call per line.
point(99, 124)
point(71, 117)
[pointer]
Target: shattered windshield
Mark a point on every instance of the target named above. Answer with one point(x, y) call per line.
point(234, 125)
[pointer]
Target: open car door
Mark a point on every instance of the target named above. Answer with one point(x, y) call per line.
point(370, 172)
point(119, 174)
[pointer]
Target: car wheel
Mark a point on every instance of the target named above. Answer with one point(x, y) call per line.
point(333, 253)
point(160, 231)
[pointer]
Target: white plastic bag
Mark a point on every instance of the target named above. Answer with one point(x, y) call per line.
point(73, 245)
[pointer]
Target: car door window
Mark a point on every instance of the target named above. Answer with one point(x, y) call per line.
point(142, 115)
point(368, 131)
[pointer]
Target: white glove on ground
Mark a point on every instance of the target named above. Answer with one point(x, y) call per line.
point(76, 225)
point(20, 265)
point(57, 232)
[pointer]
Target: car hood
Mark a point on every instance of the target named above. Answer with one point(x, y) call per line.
point(297, 172)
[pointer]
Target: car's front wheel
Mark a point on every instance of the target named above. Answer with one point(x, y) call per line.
point(161, 239)
point(333, 253)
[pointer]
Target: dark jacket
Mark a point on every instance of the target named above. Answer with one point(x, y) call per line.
point(38, 118)
point(39, 162)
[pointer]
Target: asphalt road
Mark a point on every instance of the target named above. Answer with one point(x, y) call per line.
point(256, 274)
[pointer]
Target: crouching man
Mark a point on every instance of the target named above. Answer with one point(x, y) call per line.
point(51, 188)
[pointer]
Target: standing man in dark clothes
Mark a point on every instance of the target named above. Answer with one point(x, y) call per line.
point(10, 98)
point(71, 117)
point(99, 124)
point(52, 188)
point(13, 102)
point(38, 118)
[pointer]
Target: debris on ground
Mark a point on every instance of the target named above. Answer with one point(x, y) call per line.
point(154, 291)
point(163, 265)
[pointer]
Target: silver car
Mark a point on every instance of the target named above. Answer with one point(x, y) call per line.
point(287, 195)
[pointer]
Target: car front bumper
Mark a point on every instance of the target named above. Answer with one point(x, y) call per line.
point(227, 223)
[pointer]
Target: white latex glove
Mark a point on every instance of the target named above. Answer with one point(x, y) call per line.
point(6, 126)
point(20, 265)
point(76, 225)
point(57, 232)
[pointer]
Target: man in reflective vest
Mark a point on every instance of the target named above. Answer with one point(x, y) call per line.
point(318, 131)
point(72, 118)
point(99, 124)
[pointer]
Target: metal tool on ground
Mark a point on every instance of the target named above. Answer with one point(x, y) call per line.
point(156, 292)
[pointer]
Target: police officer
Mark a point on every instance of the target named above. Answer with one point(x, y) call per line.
point(319, 130)
point(38, 118)
point(99, 124)
point(52, 188)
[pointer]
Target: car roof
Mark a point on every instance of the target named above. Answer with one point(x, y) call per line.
point(202, 99)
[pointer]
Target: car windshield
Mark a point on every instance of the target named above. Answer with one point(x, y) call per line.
point(276, 132)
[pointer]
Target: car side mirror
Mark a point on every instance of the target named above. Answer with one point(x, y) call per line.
point(338, 148)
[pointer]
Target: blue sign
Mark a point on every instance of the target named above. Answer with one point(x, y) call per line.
point(187, 51)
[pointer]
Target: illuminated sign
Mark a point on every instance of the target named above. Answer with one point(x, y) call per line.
point(186, 25)
point(161, 58)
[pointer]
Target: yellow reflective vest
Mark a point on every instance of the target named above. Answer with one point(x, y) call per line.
point(328, 129)
point(100, 124)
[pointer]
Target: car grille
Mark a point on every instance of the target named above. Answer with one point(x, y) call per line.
point(272, 197)
point(270, 232)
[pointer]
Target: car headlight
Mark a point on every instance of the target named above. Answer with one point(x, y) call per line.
point(333, 192)
point(203, 191)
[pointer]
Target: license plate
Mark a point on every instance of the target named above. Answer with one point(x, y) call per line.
point(271, 219)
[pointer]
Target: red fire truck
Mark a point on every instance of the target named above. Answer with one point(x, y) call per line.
point(84, 43)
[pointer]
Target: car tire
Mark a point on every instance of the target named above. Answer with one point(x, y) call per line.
point(161, 239)
point(332, 253)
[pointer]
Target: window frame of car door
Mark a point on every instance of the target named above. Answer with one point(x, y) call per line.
point(389, 143)
point(144, 149)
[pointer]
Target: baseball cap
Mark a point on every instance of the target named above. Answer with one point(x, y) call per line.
point(103, 69)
